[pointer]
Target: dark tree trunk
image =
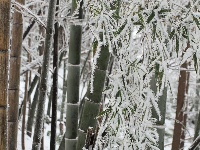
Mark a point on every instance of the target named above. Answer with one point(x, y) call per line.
point(55, 86)
point(44, 77)
point(180, 120)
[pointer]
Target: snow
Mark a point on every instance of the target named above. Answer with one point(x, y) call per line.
point(129, 96)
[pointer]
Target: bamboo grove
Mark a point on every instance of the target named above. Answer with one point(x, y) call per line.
point(99, 74)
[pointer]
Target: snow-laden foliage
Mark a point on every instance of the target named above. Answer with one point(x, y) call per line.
point(144, 37)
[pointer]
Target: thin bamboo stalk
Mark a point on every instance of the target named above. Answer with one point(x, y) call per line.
point(44, 77)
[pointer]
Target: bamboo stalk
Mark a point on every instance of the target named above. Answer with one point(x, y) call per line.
point(44, 77)
point(55, 85)
point(92, 101)
point(4, 47)
point(73, 78)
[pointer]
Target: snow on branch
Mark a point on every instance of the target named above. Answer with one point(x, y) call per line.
point(22, 8)
point(163, 29)
point(32, 65)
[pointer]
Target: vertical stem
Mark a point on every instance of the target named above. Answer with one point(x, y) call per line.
point(32, 112)
point(44, 77)
point(55, 85)
point(73, 78)
point(4, 46)
point(49, 102)
point(24, 111)
point(179, 126)
point(14, 78)
point(197, 118)
point(33, 84)
point(42, 139)
point(30, 78)
point(180, 114)
point(64, 91)
point(92, 101)
point(162, 107)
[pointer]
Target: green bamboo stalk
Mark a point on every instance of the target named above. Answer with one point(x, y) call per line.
point(162, 107)
point(62, 144)
point(73, 78)
point(44, 77)
point(92, 101)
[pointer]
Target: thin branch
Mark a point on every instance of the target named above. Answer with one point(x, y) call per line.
point(22, 8)
point(195, 143)
point(30, 26)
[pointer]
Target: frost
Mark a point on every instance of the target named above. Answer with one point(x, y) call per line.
point(144, 38)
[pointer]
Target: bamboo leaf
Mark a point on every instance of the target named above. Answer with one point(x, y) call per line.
point(162, 11)
point(177, 44)
point(121, 28)
point(141, 17)
point(172, 34)
point(151, 17)
point(140, 29)
point(138, 23)
point(154, 31)
point(185, 32)
point(196, 21)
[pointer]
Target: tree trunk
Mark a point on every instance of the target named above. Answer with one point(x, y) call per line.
point(73, 78)
point(44, 77)
point(180, 121)
point(55, 85)
point(4, 47)
point(92, 101)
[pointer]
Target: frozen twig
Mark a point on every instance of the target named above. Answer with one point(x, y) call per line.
point(22, 8)
point(195, 143)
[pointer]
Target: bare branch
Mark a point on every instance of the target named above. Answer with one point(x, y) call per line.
point(195, 143)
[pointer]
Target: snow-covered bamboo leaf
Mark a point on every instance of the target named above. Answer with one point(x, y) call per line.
point(151, 17)
point(196, 21)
